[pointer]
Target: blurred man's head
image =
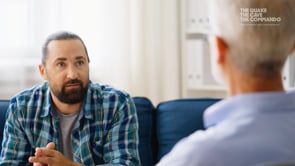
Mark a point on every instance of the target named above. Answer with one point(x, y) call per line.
point(257, 35)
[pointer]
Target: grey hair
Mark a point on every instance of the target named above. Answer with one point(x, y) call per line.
point(60, 35)
point(259, 48)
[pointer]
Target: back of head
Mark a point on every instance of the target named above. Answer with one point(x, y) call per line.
point(259, 33)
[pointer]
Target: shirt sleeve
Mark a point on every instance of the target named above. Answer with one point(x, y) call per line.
point(15, 149)
point(121, 146)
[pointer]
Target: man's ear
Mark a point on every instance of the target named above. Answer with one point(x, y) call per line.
point(42, 71)
point(222, 49)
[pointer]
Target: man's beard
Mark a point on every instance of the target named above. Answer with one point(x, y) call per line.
point(71, 96)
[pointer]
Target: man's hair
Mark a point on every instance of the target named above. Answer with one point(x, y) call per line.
point(61, 35)
point(257, 47)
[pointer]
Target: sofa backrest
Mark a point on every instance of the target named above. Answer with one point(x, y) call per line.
point(3, 108)
point(177, 119)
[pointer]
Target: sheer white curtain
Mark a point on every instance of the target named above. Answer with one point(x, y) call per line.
point(133, 44)
point(155, 49)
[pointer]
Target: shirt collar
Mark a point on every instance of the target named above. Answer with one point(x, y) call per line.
point(91, 100)
point(246, 104)
point(45, 94)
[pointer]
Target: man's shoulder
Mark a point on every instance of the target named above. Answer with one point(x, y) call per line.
point(184, 152)
point(107, 91)
point(30, 95)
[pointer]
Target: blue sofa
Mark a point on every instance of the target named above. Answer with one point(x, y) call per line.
point(160, 127)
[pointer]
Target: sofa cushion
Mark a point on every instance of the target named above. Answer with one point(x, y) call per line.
point(177, 119)
point(146, 119)
point(3, 109)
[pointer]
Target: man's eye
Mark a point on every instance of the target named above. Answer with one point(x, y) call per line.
point(61, 64)
point(80, 63)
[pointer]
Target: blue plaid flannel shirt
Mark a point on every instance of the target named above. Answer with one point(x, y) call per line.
point(106, 132)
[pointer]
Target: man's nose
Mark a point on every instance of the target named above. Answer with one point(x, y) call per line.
point(72, 73)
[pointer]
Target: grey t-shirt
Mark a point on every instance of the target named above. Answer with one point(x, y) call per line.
point(66, 125)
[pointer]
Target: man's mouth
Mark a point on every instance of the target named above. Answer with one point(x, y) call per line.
point(75, 85)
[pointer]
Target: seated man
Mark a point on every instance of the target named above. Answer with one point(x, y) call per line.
point(251, 41)
point(69, 120)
